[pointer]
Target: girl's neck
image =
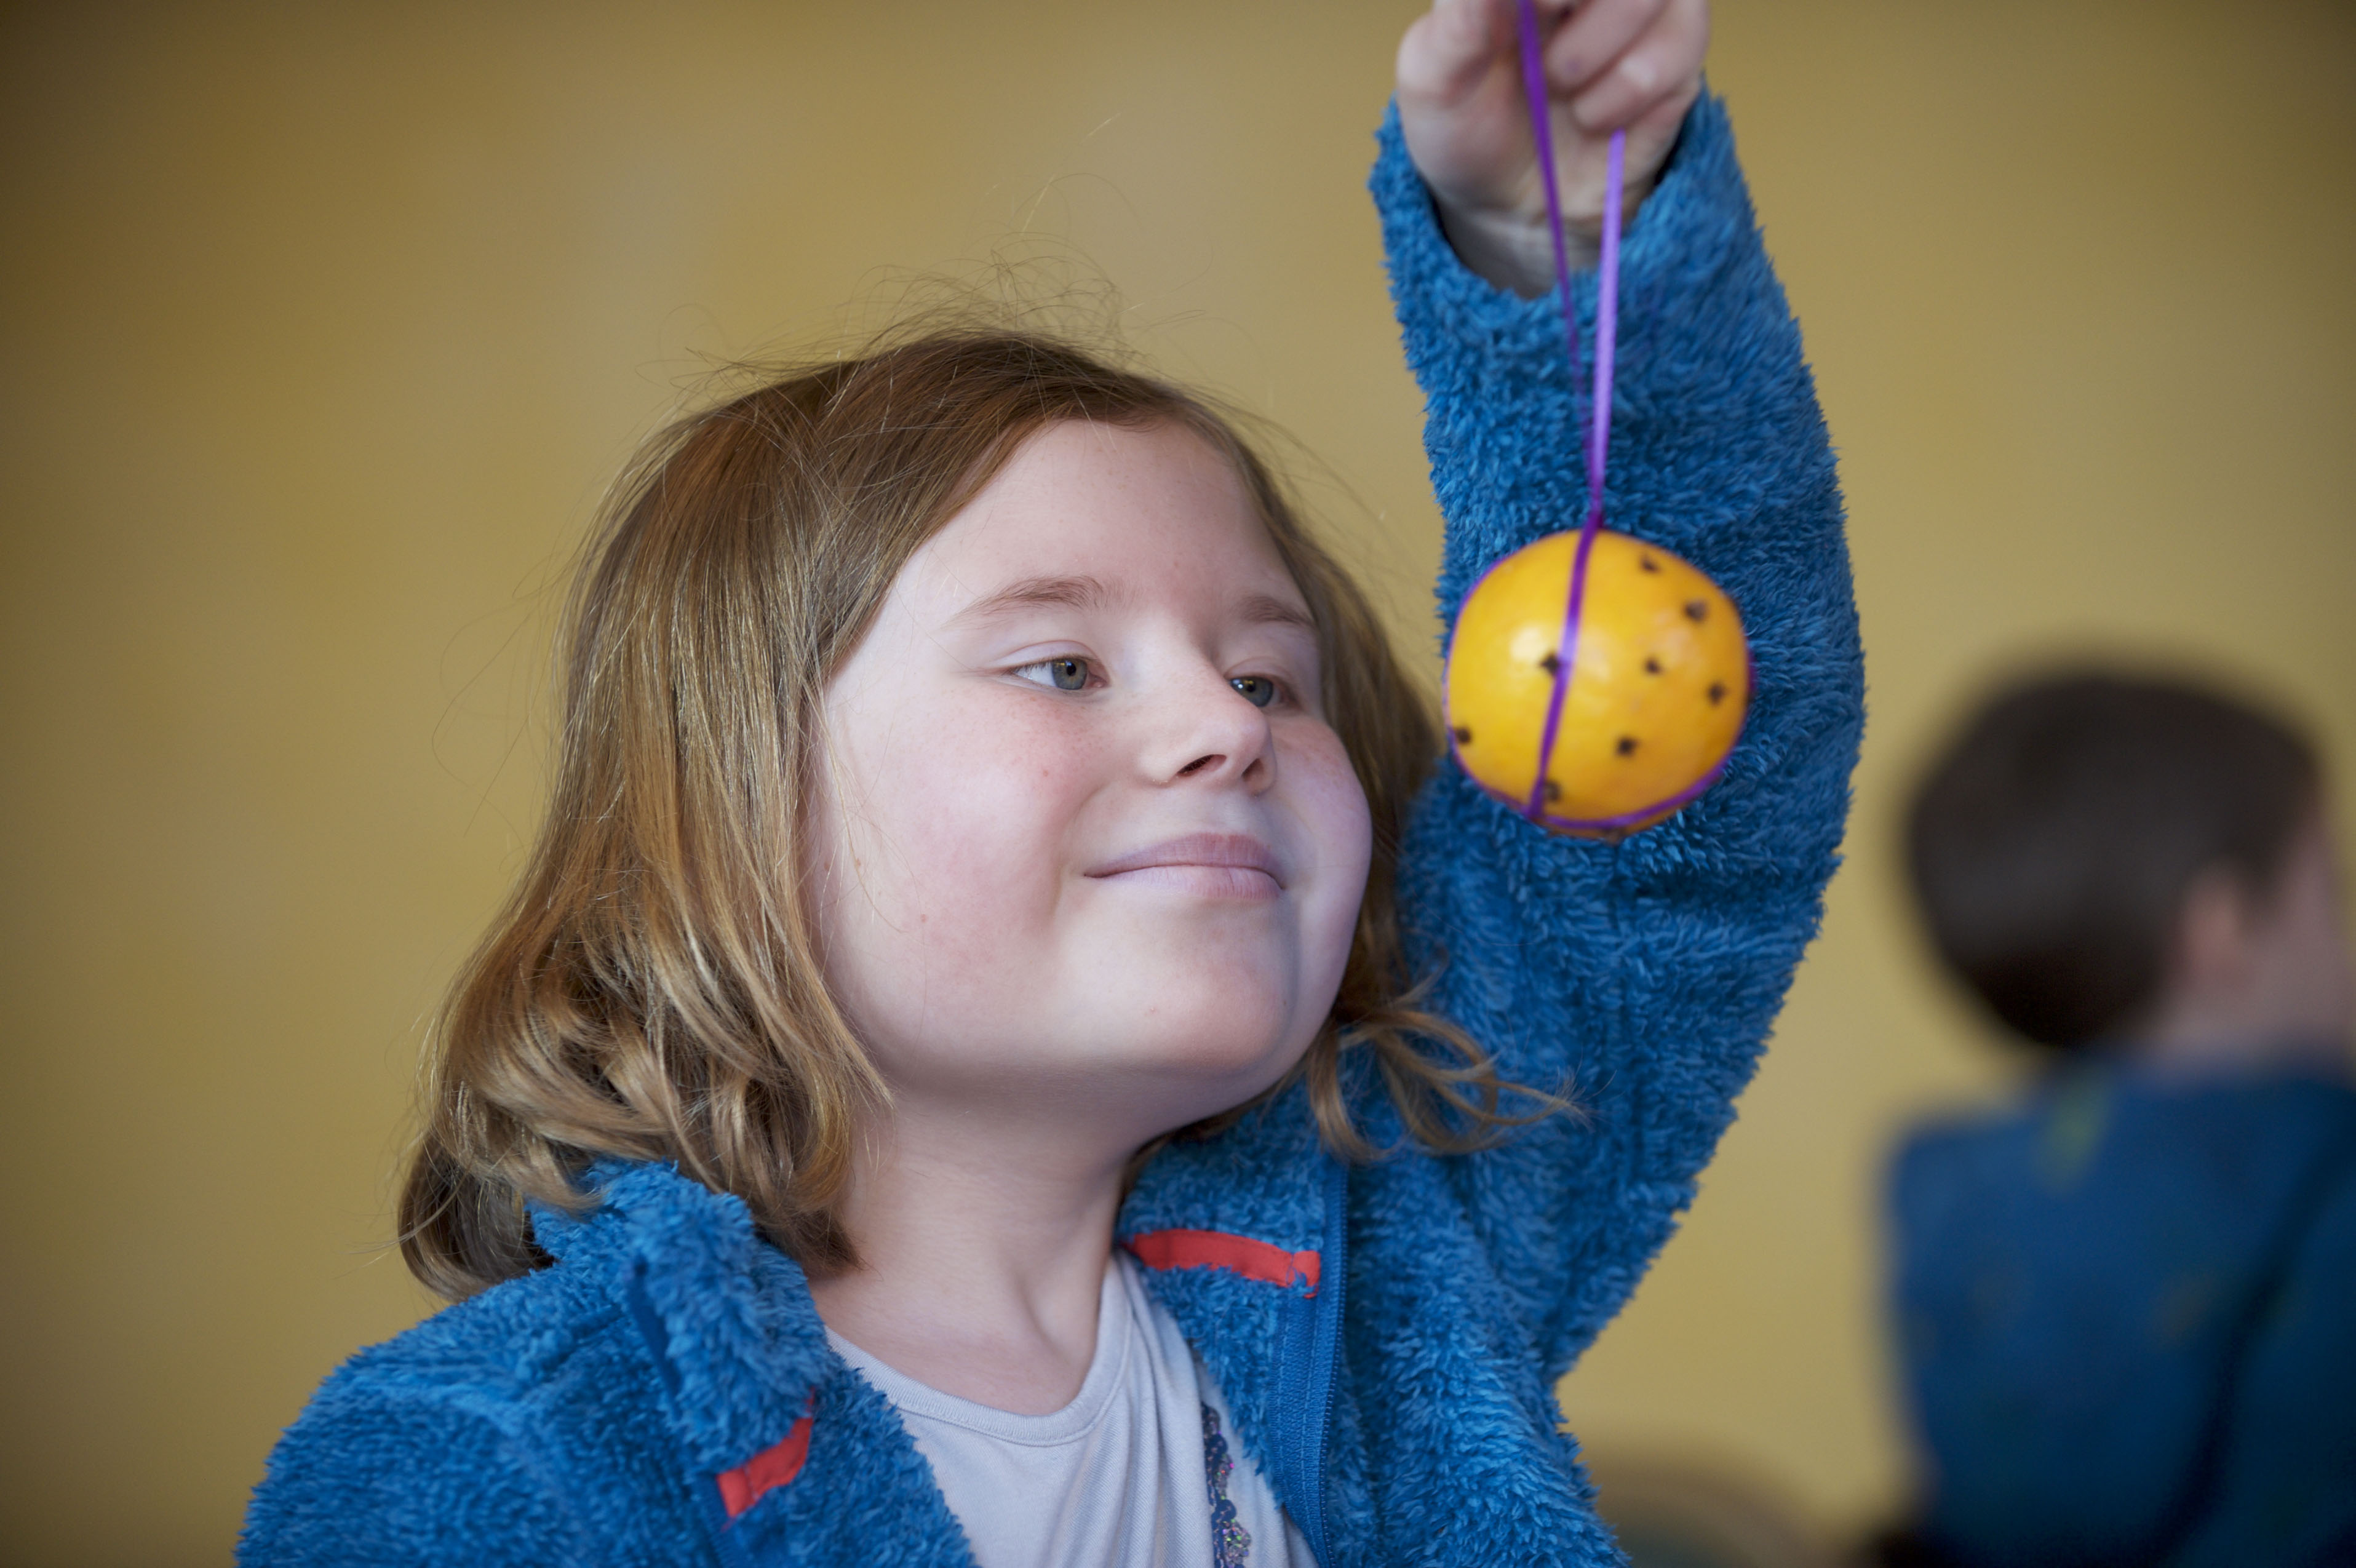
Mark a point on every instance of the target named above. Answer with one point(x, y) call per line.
point(983, 1251)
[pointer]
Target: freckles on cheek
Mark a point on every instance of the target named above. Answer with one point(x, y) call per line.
point(1337, 805)
point(969, 798)
point(1333, 799)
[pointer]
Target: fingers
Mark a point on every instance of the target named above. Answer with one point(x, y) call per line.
point(1655, 65)
point(1597, 33)
point(1448, 49)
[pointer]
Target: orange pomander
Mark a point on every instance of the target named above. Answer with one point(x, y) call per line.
point(1643, 720)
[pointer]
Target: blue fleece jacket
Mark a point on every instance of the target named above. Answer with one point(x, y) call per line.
point(2128, 1317)
point(1387, 1336)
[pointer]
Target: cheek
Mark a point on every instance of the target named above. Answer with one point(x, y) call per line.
point(946, 837)
point(1333, 811)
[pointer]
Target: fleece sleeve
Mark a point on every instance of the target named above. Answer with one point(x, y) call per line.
point(409, 1480)
point(1644, 976)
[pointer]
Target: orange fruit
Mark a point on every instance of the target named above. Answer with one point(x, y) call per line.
point(1659, 680)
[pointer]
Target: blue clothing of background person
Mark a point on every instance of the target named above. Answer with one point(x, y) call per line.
point(2127, 1313)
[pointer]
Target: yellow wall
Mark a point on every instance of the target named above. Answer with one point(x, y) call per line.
point(322, 327)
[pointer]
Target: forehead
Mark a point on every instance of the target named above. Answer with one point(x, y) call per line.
point(1156, 512)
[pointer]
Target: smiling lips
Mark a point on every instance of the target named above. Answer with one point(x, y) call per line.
point(1213, 865)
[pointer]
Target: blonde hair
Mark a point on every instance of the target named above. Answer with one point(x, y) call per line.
point(653, 989)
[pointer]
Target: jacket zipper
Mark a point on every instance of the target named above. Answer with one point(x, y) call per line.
point(1313, 1357)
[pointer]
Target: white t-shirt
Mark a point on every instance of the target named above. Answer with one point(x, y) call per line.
point(1129, 1475)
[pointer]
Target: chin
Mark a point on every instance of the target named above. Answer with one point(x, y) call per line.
point(1180, 1095)
point(1229, 1041)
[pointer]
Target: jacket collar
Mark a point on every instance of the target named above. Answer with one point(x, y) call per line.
point(731, 1326)
point(744, 1341)
point(1262, 1178)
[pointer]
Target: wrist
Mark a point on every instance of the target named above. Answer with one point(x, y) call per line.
point(1511, 250)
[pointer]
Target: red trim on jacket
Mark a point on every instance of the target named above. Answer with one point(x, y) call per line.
point(1237, 1254)
point(773, 1467)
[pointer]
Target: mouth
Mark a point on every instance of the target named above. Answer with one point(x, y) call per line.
point(1231, 865)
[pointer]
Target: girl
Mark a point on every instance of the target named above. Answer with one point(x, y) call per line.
point(988, 829)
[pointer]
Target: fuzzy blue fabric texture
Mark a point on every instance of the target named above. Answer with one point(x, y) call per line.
point(2127, 1313)
point(611, 1408)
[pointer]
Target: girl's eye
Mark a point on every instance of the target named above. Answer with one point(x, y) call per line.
point(1257, 690)
point(1063, 674)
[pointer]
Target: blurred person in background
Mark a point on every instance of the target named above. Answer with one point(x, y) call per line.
point(2126, 1302)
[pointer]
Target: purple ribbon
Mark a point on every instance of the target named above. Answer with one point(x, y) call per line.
point(1607, 340)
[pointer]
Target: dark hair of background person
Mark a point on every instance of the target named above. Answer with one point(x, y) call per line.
point(2052, 844)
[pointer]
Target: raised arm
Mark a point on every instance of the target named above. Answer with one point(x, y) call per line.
point(1644, 974)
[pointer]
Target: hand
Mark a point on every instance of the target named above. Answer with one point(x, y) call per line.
point(1610, 65)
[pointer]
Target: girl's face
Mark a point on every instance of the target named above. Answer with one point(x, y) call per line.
point(1090, 852)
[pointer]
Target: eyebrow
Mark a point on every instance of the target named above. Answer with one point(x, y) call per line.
point(1087, 592)
point(1267, 610)
point(1032, 593)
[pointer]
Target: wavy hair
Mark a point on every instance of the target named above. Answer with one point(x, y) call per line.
point(653, 989)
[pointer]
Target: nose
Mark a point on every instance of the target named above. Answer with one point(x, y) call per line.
point(1209, 733)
